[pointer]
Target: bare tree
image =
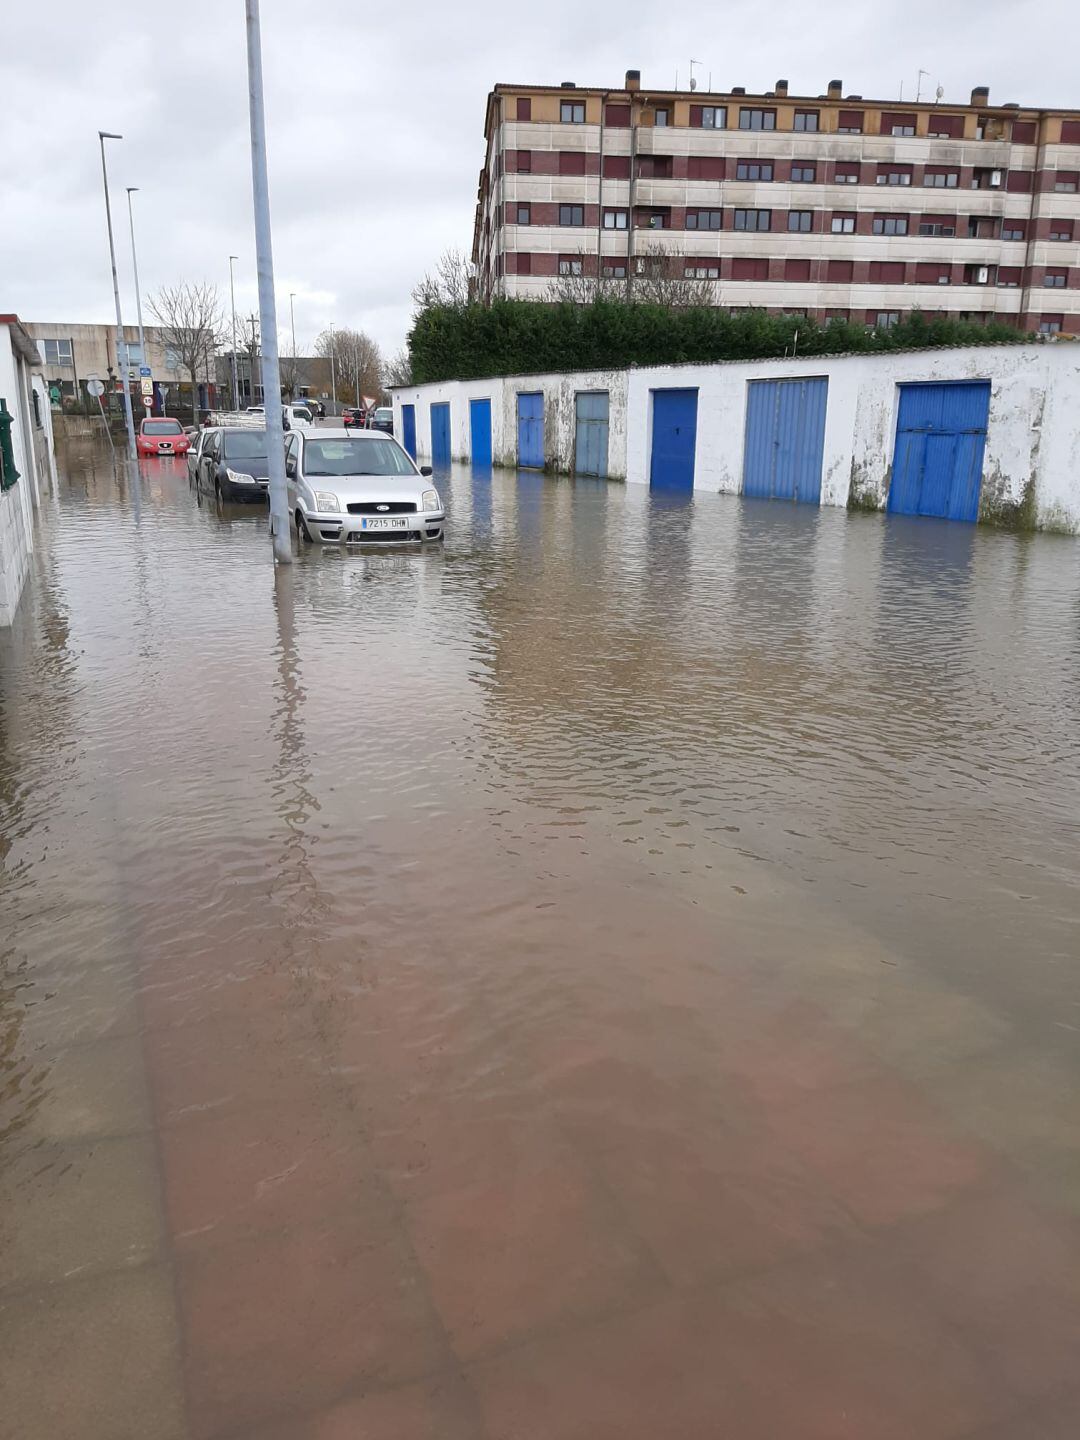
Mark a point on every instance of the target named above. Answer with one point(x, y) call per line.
point(398, 370)
point(289, 367)
point(190, 319)
point(358, 364)
point(451, 283)
point(660, 276)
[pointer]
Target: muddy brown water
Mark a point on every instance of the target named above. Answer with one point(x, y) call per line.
point(613, 975)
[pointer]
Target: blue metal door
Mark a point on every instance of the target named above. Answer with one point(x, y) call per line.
point(785, 439)
point(480, 432)
point(674, 440)
point(591, 436)
point(940, 440)
point(440, 434)
point(531, 430)
point(408, 428)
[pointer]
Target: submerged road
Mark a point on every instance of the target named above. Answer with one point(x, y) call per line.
point(612, 976)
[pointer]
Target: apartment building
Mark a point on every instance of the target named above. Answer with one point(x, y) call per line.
point(826, 205)
point(71, 354)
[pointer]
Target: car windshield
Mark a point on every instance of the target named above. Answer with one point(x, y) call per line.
point(245, 445)
point(301, 412)
point(355, 457)
point(384, 414)
point(162, 427)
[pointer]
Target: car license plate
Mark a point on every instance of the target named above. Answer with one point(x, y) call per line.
point(385, 524)
point(165, 448)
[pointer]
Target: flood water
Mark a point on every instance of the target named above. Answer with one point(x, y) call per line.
point(613, 976)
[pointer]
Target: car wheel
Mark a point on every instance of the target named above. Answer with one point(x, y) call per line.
point(303, 533)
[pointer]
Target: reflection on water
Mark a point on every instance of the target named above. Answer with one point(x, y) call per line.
point(560, 983)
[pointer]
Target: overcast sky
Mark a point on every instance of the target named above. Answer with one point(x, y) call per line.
point(375, 123)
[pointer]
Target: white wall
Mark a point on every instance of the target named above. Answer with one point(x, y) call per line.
point(1033, 436)
point(16, 504)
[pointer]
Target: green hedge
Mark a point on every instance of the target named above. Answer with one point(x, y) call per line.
point(522, 337)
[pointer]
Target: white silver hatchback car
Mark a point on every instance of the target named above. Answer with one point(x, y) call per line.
point(359, 485)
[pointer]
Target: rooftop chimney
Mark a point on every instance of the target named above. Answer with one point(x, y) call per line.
point(836, 89)
point(781, 87)
point(738, 89)
point(567, 84)
point(633, 81)
point(980, 95)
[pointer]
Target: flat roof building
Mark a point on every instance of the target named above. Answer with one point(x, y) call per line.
point(825, 205)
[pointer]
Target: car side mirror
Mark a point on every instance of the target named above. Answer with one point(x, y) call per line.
point(290, 468)
point(425, 470)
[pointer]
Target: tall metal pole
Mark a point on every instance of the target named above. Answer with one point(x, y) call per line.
point(232, 301)
point(121, 357)
point(143, 361)
point(333, 372)
point(295, 366)
point(264, 258)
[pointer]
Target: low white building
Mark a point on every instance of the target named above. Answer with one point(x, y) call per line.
point(24, 397)
point(983, 432)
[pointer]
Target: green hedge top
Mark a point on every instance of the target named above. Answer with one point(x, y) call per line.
point(523, 337)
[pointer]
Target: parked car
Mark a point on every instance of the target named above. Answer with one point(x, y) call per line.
point(255, 410)
point(198, 439)
point(296, 415)
point(233, 465)
point(161, 437)
point(353, 415)
point(359, 485)
point(382, 418)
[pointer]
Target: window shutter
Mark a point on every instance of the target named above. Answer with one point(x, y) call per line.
point(695, 114)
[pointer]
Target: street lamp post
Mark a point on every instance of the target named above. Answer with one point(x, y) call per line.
point(232, 301)
point(292, 322)
point(333, 372)
point(121, 355)
point(131, 189)
point(264, 257)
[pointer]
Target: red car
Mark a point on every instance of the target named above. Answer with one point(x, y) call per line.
point(354, 415)
point(162, 437)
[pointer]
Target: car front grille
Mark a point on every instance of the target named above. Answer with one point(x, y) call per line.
point(389, 507)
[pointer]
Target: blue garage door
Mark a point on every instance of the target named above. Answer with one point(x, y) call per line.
point(408, 428)
point(440, 434)
point(940, 439)
point(674, 437)
point(531, 431)
point(591, 438)
point(480, 432)
point(785, 437)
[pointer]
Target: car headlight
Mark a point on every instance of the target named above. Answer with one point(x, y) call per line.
point(326, 502)
point(239, 478)
point(430, 500)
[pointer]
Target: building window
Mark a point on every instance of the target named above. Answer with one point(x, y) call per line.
point(754, 170)
point(704, 219)
point(753, 219)
point(655, 167)
point(946, 127)
point(850, 122)
point(616, 167)
point(804, 174)
point(757, 119)
point(572, 112)
point(524, 263)
point(1054, 279)
point(894, 177)
point(942, 179)
point(847, 175)
point(615, 272)
point(1062, 230)
point(800, 220)
point(898, 124)
point(890, 224)
point(524, 108)
point(1012, 230)
point(843, 225)
point(58, 352)
point(570, 265)
point(886, 319)
point(173, 359)
point(134, 352)
point(571, 215)
point(714, 117)
point(840, 271)
point(703, 272)
point(1065, 181)
point(1009, 276)
point(663, 117)
point(750, 268)
point(806, 119)
point(797, 270)
point(932, 273)
point(616, 219)
point(704, 167)
point(571, 162)
point(1050, 324)
point(937, 227)
point(524, 162)
point(524, 215)
point(617, 116)
point(887, 272)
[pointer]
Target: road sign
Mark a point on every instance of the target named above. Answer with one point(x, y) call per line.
point(148, 401)
point(95, 387)
point(146, 385)
point(144, 370)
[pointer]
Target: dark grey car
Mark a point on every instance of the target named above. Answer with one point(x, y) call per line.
point(234, 466)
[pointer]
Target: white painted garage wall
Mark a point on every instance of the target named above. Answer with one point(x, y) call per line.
point(1033, 436)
